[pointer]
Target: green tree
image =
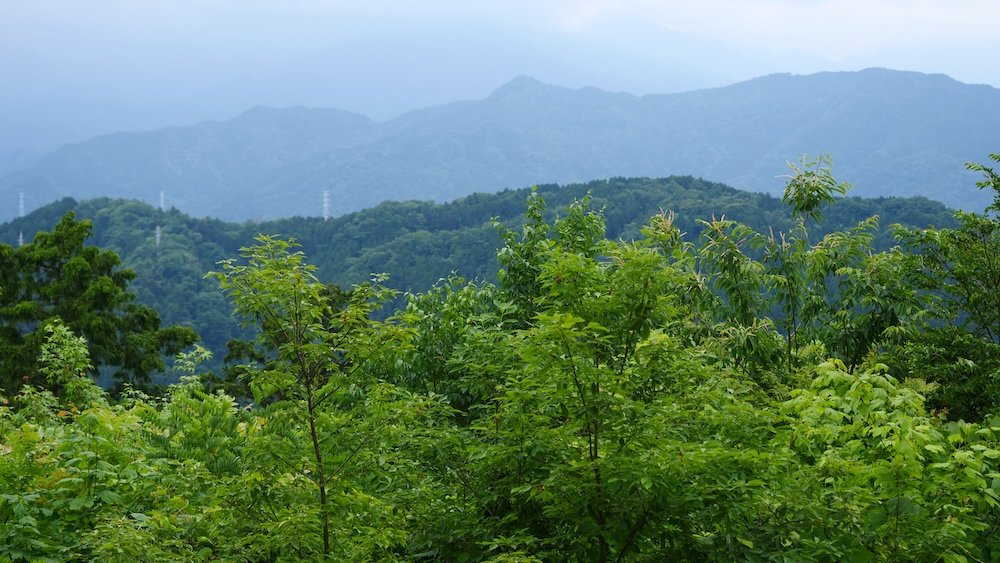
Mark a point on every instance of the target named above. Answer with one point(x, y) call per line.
point(312, 380)
point(897, 483)
point(765, 289)
point(57, 277)
point(64, 360)
point(960, 268)
point(964, 263)
point(811, 186)
point(576, 458)
point(520, 258)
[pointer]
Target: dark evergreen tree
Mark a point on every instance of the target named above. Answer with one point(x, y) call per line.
point(57, 277)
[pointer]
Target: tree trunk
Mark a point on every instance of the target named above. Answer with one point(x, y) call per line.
point(320, 477)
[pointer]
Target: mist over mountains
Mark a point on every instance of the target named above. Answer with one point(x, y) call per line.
point(889, 132)
point(380, 69)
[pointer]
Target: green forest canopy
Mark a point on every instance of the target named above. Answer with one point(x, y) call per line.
point(747, 395)
point(417, 243)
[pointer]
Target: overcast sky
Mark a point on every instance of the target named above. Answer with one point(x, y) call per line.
point(384, 57)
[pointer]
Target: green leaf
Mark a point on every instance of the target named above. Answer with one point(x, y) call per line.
point(110, 497)
point(80, 502)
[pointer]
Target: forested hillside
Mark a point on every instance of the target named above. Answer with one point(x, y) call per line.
point(416, 243)
point(749, 394)
point(893, 133)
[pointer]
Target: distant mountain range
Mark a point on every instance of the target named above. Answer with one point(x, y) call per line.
point(889, 133)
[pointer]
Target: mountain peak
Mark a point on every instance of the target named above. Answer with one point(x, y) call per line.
point(521, 86)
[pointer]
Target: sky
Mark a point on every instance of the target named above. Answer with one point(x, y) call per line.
point(70, 68)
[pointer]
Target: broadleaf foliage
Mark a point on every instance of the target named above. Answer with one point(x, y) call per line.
point(739, 396)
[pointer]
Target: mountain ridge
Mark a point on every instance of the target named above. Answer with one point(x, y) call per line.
point(890, 132)
point(416, 242)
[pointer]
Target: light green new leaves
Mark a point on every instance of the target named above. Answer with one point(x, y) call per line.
point(901, 480)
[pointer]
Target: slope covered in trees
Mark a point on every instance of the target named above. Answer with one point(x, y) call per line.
point(416, 242)
point(748, 395)
point(893, 133)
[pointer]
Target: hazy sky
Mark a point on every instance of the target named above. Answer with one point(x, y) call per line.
point(384, 57)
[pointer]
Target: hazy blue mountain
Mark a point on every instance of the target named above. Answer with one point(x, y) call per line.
point(380, 70)
point(889, 132)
